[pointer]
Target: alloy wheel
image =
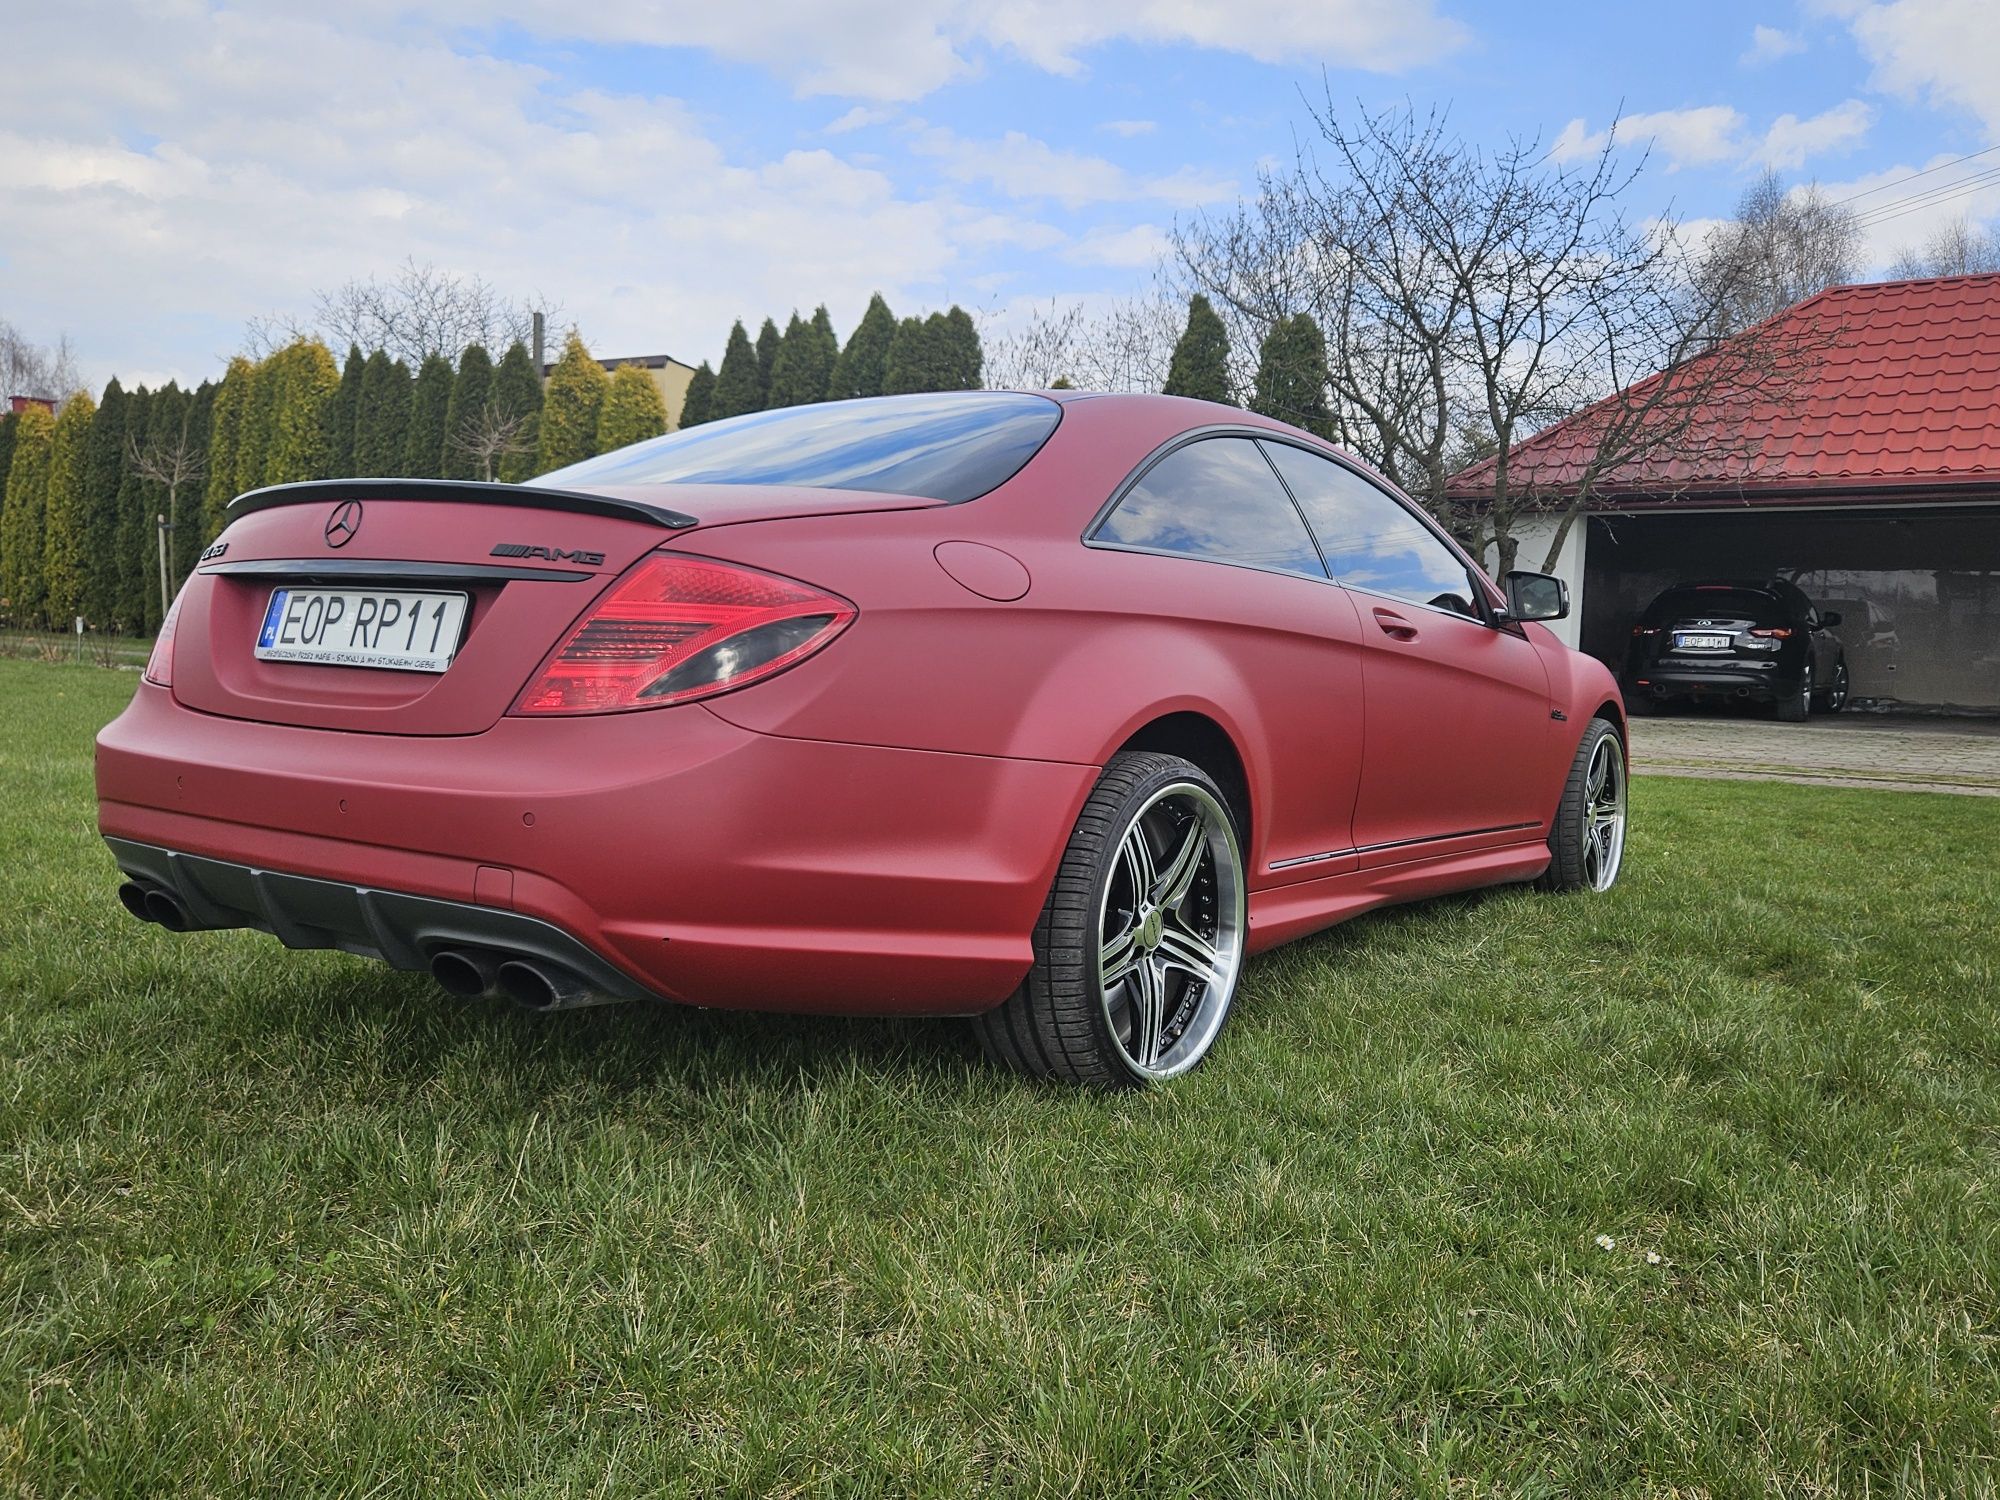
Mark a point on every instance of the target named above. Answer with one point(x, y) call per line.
point(1604, 804)
point(1171, 930)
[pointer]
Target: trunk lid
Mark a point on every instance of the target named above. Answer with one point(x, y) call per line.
point(529, 561)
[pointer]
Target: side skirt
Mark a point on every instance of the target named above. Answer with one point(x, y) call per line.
point(1280, 913)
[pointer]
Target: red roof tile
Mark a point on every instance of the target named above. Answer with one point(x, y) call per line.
point(1904, 389)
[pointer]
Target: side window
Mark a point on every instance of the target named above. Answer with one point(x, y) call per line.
point(1369, 539)
point(1219, 500)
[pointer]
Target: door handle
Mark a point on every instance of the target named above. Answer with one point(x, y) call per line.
point(1395, 626)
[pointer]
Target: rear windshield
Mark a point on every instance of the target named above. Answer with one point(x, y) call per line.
point(1719, 603)
point(950, 446)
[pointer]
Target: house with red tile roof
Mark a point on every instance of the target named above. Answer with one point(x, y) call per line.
point(1872, 482)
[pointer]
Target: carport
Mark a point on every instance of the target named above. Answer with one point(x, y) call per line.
point(1875, 487)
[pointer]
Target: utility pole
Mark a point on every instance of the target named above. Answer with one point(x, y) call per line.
point(166, 593)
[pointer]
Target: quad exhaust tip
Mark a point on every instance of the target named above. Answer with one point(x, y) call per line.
point(529, 983)
point(470, 976)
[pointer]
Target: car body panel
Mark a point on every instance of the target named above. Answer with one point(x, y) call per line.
point(875, 828)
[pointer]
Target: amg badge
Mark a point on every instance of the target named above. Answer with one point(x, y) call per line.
point(546, 554)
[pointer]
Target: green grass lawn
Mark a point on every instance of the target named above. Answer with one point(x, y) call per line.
point(294, 1223)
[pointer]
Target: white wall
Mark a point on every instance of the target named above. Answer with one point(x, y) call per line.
point(1534, 534)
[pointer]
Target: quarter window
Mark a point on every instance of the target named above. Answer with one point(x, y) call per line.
point(1370, 540)
point(1215, 499)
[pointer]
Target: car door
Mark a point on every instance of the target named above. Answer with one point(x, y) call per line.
point(1237, 593)
point(1457, 739)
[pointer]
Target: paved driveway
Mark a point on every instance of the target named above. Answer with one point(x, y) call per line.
point(1906, 755)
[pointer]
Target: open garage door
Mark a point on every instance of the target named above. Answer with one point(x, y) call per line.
point(1918, 589)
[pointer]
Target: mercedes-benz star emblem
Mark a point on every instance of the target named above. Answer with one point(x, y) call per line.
point(343, 523)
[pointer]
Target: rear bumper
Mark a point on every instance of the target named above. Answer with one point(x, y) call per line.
point(1751, 680)
point(698, 861)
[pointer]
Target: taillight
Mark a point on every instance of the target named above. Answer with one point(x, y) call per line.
point(1645, 630)
point(160, 665)
point(1778, 634)
point(678, 628)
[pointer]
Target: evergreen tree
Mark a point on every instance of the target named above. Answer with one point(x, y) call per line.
point(304, 381)
point(965, 358)
point(340, 415)
point(736, 387)
point(570, 408)
point(135, 520)
point(1291, 376)
point(166, 427)
point(803, 370)
point(471, 393)
point(937, 353)
point(382, 416)
point(699, 398)
point(106, 463)
point(10, 421)
point(430, 410)
point(768, 339)
point(225, 436)
point(633, 409)
point(257, 428)
point(66, 513)
point(517, 392)
point(1200, 366)
point(190, 505)
point(21, 515)
point(859, 369)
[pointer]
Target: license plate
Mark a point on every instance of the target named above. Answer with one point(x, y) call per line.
point(403, 630)
point(1700, 642)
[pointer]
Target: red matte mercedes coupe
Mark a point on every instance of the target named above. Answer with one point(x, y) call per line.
point(1045, 710)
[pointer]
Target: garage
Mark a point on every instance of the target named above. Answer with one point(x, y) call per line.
point(1874, 486)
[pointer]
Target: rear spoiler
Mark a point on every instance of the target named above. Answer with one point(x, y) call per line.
point(476, 491)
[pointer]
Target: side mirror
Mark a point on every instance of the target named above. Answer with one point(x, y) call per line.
point(1535, 596)
point(1829, 618)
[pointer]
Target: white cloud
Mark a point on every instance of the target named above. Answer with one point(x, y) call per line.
point(858, 118)
point(1131, 248)
point(905, 49)
point(1791, 142)
point(1701, 136)
point(256, 180)
point(1129, 128)
point(1022, 167)
point(1715, 133)
point(1945, 50)
point(1768, 44)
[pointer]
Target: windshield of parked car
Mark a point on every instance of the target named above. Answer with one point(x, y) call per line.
point(948, 445)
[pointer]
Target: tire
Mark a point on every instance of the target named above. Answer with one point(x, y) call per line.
point(1587, 841)
point(1835, 698)
point(1113, 999)
point(1796, 707)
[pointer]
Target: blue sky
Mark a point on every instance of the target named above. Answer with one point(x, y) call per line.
point(170, 170)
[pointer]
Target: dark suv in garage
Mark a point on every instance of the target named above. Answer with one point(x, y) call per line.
point(1759, 641)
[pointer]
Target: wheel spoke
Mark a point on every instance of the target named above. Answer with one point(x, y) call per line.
point(1149, 1006)
point(1191, 951)
point(1186, 863)
point(1600, 771)
point(1117, 957)
point(1137, 856)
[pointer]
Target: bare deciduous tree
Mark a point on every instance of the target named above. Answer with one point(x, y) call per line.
point(1958, 248)
point(1125, 346)
point(489, 435)
point(1470, 298)
point(1782, 247)
point(421, 310)
point(174, 463)
point(31, 369)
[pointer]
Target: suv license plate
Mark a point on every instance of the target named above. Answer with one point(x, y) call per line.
point(1689, 642)
point(402, 630)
